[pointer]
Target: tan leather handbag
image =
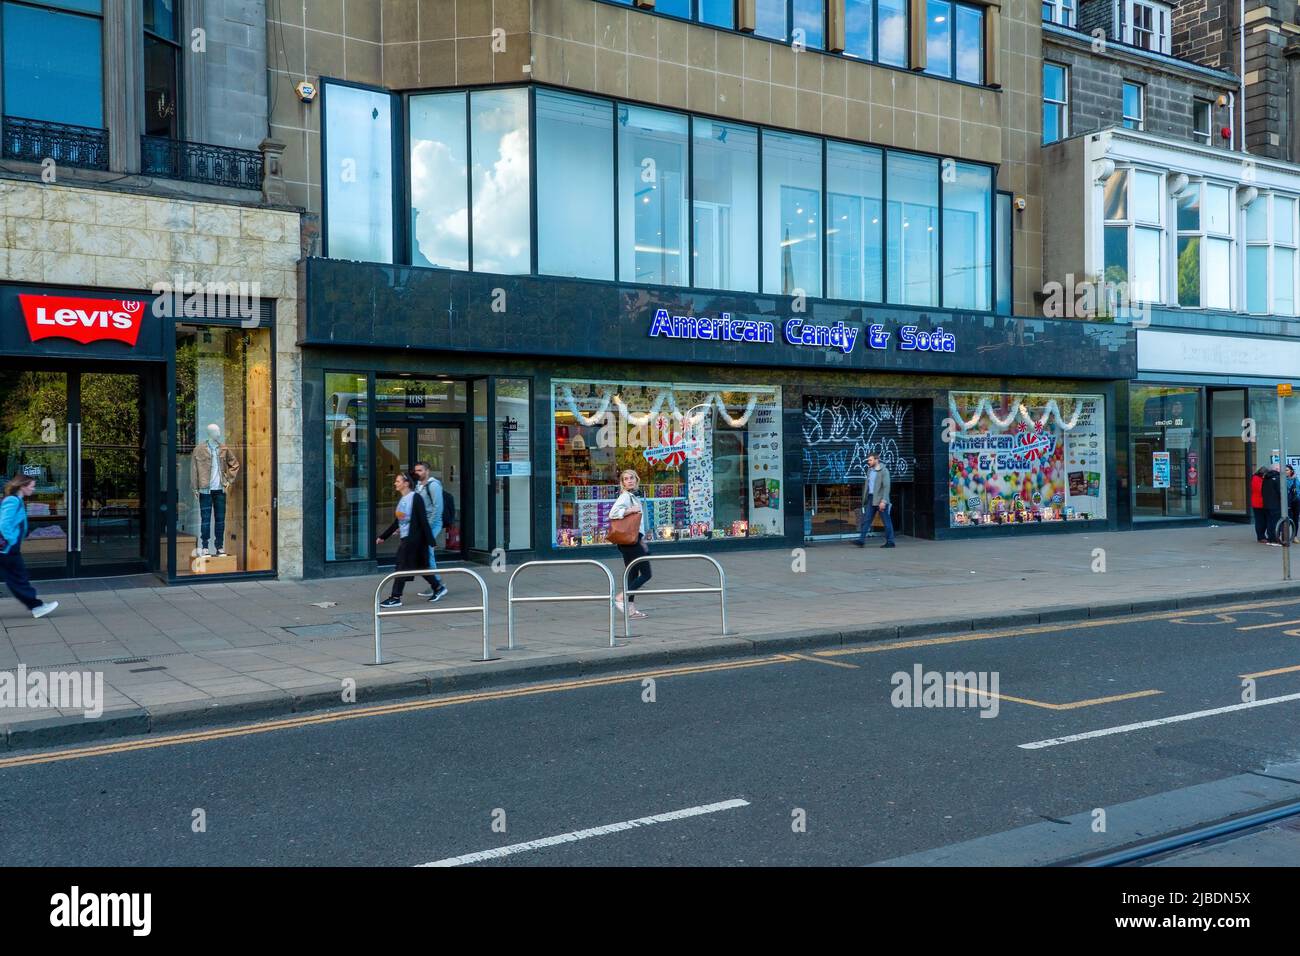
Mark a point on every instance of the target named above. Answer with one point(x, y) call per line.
point(624, 530)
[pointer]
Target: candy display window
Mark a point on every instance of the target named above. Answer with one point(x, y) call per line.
point(1018, 458)
point(709, 458)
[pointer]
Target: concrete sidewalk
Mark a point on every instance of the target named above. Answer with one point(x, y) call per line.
point(206, 653)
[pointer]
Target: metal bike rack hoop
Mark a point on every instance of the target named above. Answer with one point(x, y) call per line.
point(720, 590)
point(511, 600)
point(481, 608)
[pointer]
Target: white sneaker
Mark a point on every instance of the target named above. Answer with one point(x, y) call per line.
point(43, 609)
point(618, 605)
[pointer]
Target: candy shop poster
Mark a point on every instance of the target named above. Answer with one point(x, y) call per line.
point(1027, 463)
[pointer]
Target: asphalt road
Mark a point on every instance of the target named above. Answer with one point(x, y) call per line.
point(772, 742)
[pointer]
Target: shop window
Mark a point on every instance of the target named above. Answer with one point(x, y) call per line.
point(709, 459)
point(358, 173)
point(725, 205)
point(854, 232)
point(225, 436)
point(1132, 200)
point(652, 187)
point(967, 233)
point(53, 62)
point(792, 200)
point(513, 466)
point(1166, 440)
point(1204, 246)
point(347, 466)
point(1231, 483)
point(575, 186)
point(913, 217)
point(1026, 458)
point(483, 462)
point(1271, 255)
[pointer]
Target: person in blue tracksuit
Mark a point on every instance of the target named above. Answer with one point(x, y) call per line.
point(13, 529)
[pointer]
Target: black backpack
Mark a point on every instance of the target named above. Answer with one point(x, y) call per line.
point(448, 509)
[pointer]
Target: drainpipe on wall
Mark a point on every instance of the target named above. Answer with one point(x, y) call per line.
point(1241, 63)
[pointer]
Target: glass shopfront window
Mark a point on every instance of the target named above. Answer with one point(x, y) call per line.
point(575, 186)
point(1166, 439)
point(709, 458)
point(347, 466)
point(410, 393)
point(913, 230)
point(792, 202)
point(225, 439)
point(514, 467)
point(725, 205)
point(1020, 458)
point(967, 246)
point(854, 234)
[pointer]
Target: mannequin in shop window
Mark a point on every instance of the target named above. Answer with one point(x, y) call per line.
point(213, 470)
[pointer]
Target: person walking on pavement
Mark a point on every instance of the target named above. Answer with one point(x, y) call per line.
point(875, 500)
point(628, 503)
point(1257, 503)
point(412, 525)
point(1293, 498)
point(13, 529)
point(429, 490)
point(1271, 490)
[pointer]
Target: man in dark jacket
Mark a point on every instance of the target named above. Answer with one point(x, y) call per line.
point(1272, 492)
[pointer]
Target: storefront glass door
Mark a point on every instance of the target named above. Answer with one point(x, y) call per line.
point(81, 436)
point(397, 448)
point(1227, 416)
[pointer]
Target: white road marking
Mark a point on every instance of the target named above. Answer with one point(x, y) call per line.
point(576, 835)
point(1177, 718)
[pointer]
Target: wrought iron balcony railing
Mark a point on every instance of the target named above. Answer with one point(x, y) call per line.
point(200, 162)
point(36, 141)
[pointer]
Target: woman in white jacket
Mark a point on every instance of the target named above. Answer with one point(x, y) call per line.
point(628, 503)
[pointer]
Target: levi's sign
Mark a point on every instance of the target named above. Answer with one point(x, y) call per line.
point(799, 332)
point(82, 320)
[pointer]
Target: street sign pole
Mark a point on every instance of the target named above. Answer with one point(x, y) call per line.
point(1283, 391)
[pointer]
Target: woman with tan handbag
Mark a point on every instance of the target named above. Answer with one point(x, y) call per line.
point(626, 527)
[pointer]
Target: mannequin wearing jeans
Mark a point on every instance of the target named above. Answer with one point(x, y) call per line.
point(213, 471)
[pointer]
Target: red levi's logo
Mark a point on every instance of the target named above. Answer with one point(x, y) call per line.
point(82, 320)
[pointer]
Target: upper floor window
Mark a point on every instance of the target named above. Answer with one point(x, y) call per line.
point(1271, 261)
point(162, 55)
point(954, 40)
point(1133, 106)
point(796, 21)
point(1202, 113)
point(1132, 204)
point(633, 194)
point(53, 61)
point(1056, 103)
point(1204, 219)
point(1144, 24)
point(358, 172)
point(1059, 11)
point(718, 13)
point(876, 30)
